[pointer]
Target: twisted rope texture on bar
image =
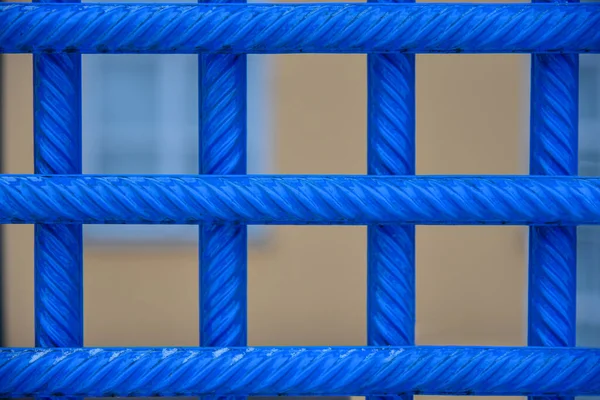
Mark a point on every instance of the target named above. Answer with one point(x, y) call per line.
point(300, 200)
point(391, 152)
point(554, 152)
point(391, 249)
point(223, 247)
point(553, 251)
point(299, 371)
point(58, 262)
point(355, 28)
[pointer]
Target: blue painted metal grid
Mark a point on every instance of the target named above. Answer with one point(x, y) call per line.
point(58, 199)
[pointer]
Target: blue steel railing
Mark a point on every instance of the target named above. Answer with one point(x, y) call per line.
point(58, 199)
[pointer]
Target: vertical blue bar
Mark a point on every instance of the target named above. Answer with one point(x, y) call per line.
point(391, 151)
point(223, 248)
point(58, 248)
point(553, 151)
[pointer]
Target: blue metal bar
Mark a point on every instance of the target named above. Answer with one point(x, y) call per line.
point(305, 28)
point(299, 371)
point(223, 248)
point(553, 250)
point(58, 248)
point(341, 200)
point(391, 248)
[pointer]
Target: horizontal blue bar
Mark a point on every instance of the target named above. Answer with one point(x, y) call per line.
point(305, 28)
point(288, 199)
point(343, 371)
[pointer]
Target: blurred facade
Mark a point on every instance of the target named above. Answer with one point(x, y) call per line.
point(307, 285)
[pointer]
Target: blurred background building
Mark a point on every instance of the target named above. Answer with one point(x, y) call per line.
point(307, 115)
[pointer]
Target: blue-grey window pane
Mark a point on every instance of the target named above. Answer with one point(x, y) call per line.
point(589, 100)
point(127, 95)
point(191, 163)
point(133, 162)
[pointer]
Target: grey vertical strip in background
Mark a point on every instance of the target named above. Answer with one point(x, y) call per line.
point(2, 171)
point(2, 322)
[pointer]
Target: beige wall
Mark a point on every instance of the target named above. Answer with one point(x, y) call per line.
point(307, 284)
